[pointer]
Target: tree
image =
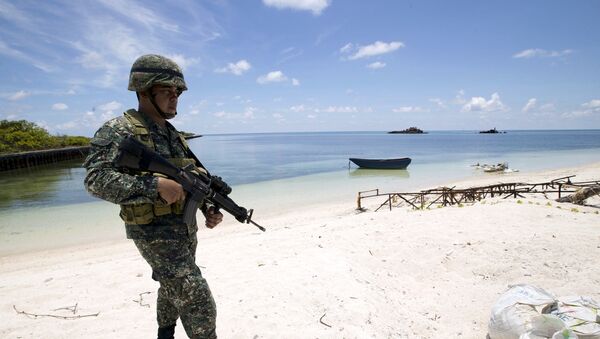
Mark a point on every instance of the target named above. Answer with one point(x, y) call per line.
point(22, 135)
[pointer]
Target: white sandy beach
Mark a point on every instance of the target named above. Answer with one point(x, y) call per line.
point(327, 271)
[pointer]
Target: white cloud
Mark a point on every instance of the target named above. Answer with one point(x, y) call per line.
point(10, 12)
point(542, 53)
point(111, 46)
point(530, 105)
point(196, 108)
point(288, 54)
point(69, 125)
point(60, 106)
point(460, 97)
point(376, 48)
point(577, 114)
point(247, 114)
point(547, 108)
point(298, 108)
point(141, 14)
point(593, 104)
point(237, 68)
point(108, 110)
point(315, 6)
point(183, 61)
point(481, 104)
point(338, 109)
point(110, 106)
point(295, 82)
point(591, 107)
point(347, 48)
point(16, 54)
point(18, 95)
point(277, 116)
point(311, 116)
point(104, 36)
point(376, 65)
point(275, 76)
point(439, 102)
point(326, 34)
point(409, 109)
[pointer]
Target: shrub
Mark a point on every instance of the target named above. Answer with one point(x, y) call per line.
point(22, 136)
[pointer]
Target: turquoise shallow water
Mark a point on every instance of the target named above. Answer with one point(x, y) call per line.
point(48, 207)
point(251, 158)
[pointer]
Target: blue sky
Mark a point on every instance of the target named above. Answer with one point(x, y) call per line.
point(308, 65)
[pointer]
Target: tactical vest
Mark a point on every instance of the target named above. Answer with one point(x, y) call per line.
point(142, 214)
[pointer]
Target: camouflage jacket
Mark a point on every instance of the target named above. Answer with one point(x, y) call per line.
point(105, 180)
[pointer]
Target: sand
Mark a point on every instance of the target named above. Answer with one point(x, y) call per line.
point(326, 271)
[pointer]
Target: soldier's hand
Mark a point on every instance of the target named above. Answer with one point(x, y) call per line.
point(212, 218)
point(170, 191)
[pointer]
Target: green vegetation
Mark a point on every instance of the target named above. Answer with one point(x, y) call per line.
point(23, 136)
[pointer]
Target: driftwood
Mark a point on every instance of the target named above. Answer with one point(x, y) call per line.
point(73, 309)
point(581, 195)
point(141, 301)
point(322, 322)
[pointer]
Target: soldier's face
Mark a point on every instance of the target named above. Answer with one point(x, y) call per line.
point(166, 98)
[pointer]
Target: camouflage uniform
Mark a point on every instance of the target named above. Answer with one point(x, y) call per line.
point(165, 242)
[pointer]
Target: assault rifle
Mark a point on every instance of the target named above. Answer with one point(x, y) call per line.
point(199, 186)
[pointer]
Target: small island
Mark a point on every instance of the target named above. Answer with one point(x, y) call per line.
point(410, 130)
point(491, 131)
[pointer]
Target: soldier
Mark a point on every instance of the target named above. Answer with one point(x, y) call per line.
point(152, 205)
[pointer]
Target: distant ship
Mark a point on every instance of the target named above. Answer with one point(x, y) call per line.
point(491, 131)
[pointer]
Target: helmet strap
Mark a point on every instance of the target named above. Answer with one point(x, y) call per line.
point(164, 115)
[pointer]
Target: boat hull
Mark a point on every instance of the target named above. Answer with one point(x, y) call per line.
point(398, 163)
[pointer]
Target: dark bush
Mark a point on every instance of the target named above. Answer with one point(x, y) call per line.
point(22, 136)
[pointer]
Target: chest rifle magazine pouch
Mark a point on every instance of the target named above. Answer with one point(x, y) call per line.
point(141, 214)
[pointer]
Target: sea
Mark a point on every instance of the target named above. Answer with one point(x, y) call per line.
point(48, 207)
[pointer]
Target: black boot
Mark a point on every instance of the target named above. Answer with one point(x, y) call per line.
point(166, 332)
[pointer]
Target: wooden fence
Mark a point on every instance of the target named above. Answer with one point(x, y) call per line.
point(444, 196)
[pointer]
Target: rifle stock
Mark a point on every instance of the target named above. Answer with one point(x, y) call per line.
point(135, 155)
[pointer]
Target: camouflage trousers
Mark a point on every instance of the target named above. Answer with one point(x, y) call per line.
point(183, 292)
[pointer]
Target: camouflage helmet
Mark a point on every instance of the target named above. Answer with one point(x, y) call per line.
point(152, 69)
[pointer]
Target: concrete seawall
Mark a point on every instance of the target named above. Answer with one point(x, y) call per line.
point(36, 158)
